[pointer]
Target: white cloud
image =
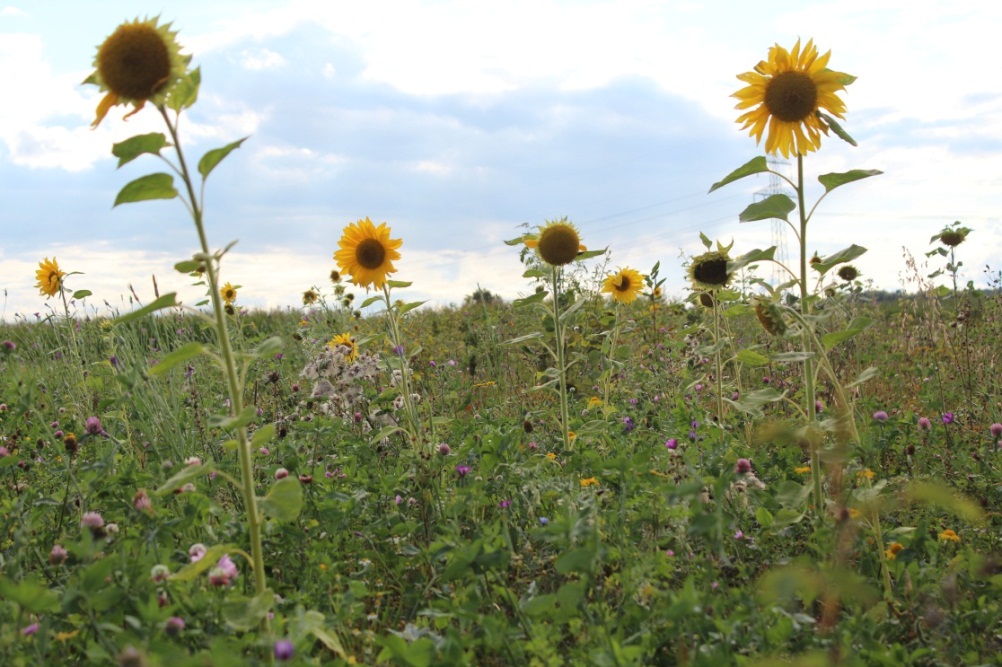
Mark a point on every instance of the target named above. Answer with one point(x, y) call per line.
point(261, 59)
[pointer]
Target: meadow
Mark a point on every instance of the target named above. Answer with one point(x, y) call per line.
point(803, 473)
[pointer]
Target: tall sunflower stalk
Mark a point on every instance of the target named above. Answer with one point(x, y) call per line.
point(141, 63)
point(623, 286)
point(794, 95)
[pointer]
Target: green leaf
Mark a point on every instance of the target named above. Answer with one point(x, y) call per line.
point(588, 254)
point(863, 377)
point(536, 297)
point(536, 273)
point(31, 594)
point(763, 517)
point(834, 124)
point(211, 557)
point(179, 356)
point(840, 257)
point(227, 422)
point(393, 284)
point(144, 188)
point(784, 357)
point(166, 301)
point(756, 165)
point(832, 181)
point(857, 325)
point(284, 499)
point(244, 614)
point(188, 266)
point(312, 622)
point(371, 300)
point(405, 307)
point(773, 206)
point(268, 347)
point(182, 477)
point(752, 358)
point(536, 335)
point(82, 293)
point(384, 432)
point(215, 156)
point(185, 92)
point(752, 402)
point(128, 150)
point(751, 257)
point(707, 243)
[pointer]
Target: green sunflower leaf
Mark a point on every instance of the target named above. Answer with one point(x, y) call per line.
point(752, 358)
point(857, 325)
point(537, 297)
point(836, 128)
point(393, 284)
point(756, 165)
point(178, 356)
point(840, 257)
point(588, 254)
point(81, 293)
point(166, 301)
point(185, 92)
point(751, 257)
point(151, 186)
point(284, 499)
point(773, 206)
point(128, 150)
point(832, 181)
point(215, 156)
point(371, 300)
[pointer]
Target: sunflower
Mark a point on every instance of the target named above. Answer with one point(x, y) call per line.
point(367, 253)
point(310, 297)
point(49, 277)
point(848, 273)
point(344, 340)
point(558, 242)
point(787, 93)
point(770, 317)
point(709, 270)
point(229, 294)
point(624, 285)
point(137, 63)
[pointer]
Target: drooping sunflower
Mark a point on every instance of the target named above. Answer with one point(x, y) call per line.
point(137, 63)
point(310, 297)
point(367, 253)
point(623, 285)
point(709, 270)
point(229, 294)
point(344, 340)
point(558, 242)
point(848, 273)
point(49, 277)
point(787, 93)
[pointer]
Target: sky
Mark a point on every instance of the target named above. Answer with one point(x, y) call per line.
point(460, 122)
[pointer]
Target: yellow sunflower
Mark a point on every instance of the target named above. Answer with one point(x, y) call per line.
point(558, 242)
point(787, 92)
point(137, 63)
point(229, 294)
point(344, 340)
point(49, 277)
point(367, 253)
point(709, 271)
point(624, 285)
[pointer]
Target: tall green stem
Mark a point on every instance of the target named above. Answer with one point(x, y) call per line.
point(405, 388)
point(558, 332)
point(719, 366)
point(229, 369)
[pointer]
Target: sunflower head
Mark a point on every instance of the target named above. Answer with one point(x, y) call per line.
point(787, 94)
point(770, 317)
point(139, 62)
point(709, 271)
point(366, 253)
point(229, 293)
point(624, 285)
point(344, 341)
point(848, 273)
point(335, 276)
point(557, 243)
point(49, 278)
point(310, 297)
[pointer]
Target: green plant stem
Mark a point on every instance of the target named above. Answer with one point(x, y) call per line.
point(612, 359)
point(719, 367)
point(405, 386)
point(558, 332)
point(809, 389)
point(230, 370)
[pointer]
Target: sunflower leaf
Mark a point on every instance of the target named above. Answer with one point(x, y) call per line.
point(371, 300)
point(840, 257)
point(588, 254)
point(754, 166)
point(751, 257)
point(284, 500)
point(185, 92)
point(166, 301)
point(81, 293)
point(151, 186)
point(215, 156)
point(178, 356)
point(773, 206)
point(534, 298)
point(832, 181)
point(398, 283)
point(836, 128)
point(857, 325)
point(128, 150)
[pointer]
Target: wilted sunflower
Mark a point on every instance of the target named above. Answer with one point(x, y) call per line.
point(623, 285)
point(137, 63)
point(788, 91)
point(335, 276)
point(848, 273)
point(558, 242)
point(310, 297)
point(49, 277)
point(229, 294)
point(709, 270)
point(952, 235)
point(344, 340)
point(770, 316)
point(367, 253)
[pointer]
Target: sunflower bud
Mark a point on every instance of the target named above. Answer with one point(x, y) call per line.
point(770, 317)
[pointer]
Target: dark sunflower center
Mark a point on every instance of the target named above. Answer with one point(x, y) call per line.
point(791, 96)
point(624, 284)
point(711, 272)
point(134, 62)
point(370, 253)
point(559, 245)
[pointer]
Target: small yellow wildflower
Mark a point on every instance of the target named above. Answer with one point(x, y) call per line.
point(481, 385)
point(854, 513)
point(802, 470)
point(893, 549)
point(551, 456)
point(229, 294)
point(594, 402)
point(589, 481)
point(572, 435)
point(865, 474)
point(949, 535)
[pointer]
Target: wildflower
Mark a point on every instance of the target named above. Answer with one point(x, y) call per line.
point(224, 572)
point(949, 535)
point(802, 470)
point(367, 253)
point(463, 471)
point(589, 481)
point(229, 294)
point(671, 443)
point(504, 504)
point(893, 549)
point(709, 270)
point(193, 461)
point(58, 555)
point(92, 520)
point(924, 424)
point(628, 425)
point(344, 340)
point(49, 277)
point(865, 474)
point(948, 418)
point(880, 416)
point(543, 521)
point(29, 630)
point(159, 573)
point(4, 452)
point(594, 402)
point(141, 501)
point(848, 273)
point(624, 285)
point(310, 297)
point(281, 473)
point(173, 626)
point(283, 650)
point(139, 62)
point(558, 242)
point(196, 552)
point(739, 535)
point(444, 449)
point(787, 93)
point(8, 346)
point(854, 513)
point(93, 426)
point(996, 430)
point(743, 466)
point(552, 456)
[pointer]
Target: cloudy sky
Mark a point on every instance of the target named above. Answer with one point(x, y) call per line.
point(458, 121)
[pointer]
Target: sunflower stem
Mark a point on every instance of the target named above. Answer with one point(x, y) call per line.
point(397, 339)
point(558, 332)
point(719, 364)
